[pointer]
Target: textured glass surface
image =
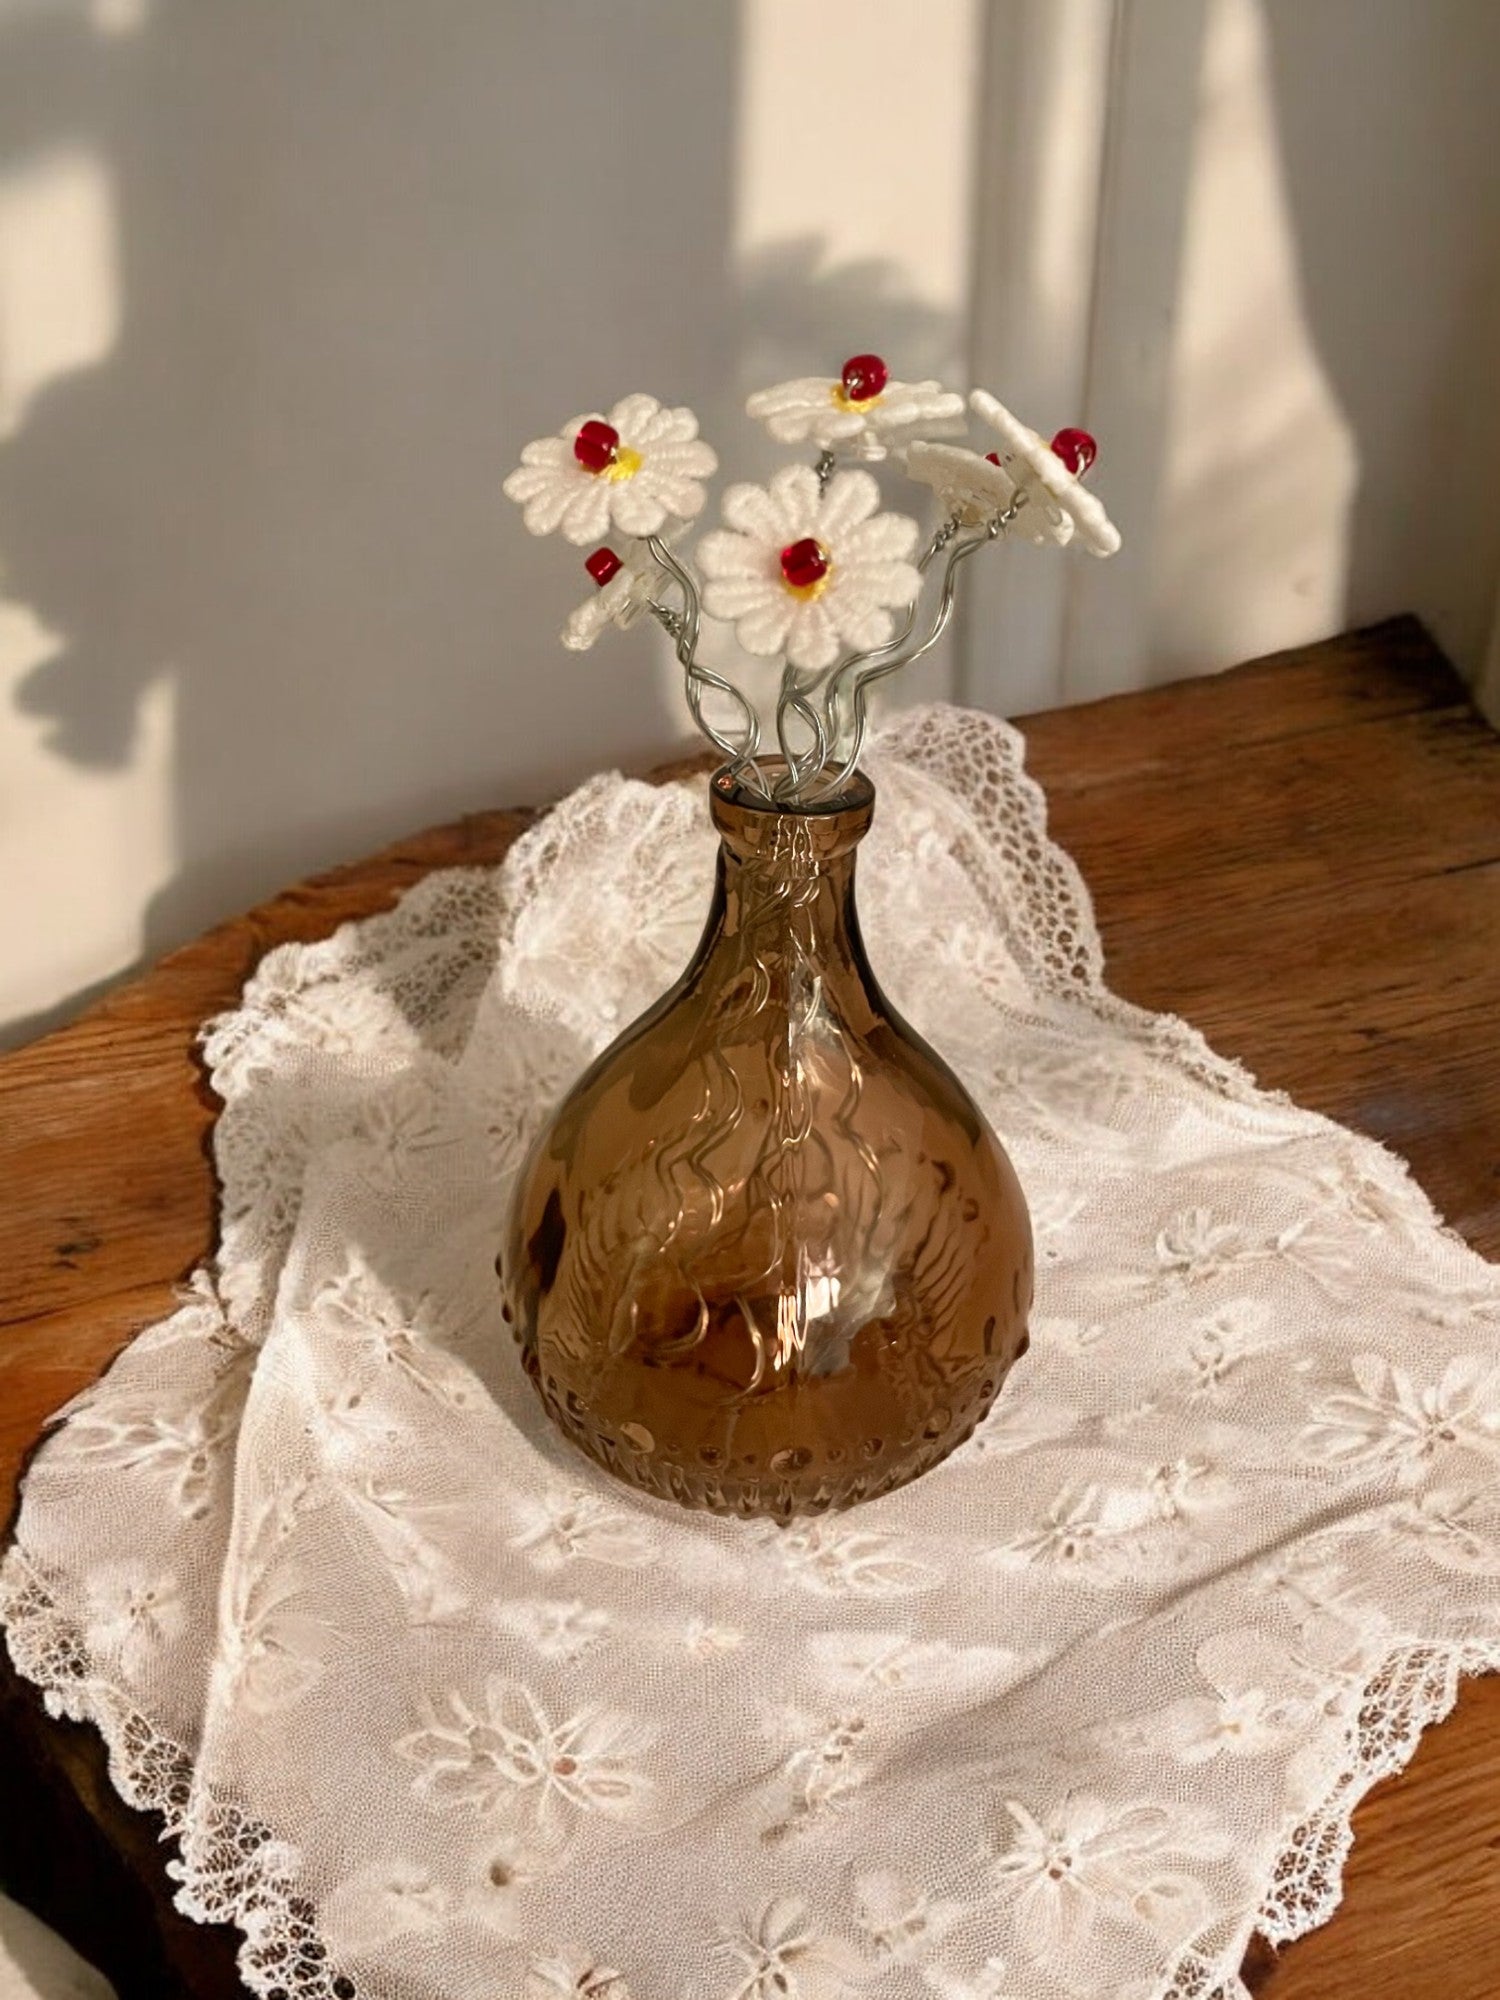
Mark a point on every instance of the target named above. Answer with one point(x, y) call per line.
point(768, 1257)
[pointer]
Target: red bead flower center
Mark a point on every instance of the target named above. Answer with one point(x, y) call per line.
point(864, 377)
point(1076, 449)
point(596, 444)
point(804, 564)
point(602, 565)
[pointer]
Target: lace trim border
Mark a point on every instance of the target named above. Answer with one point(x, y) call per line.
point(233, 1869)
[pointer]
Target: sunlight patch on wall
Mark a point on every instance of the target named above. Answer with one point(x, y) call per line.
point(1261, 466)
point(81, 851)
point(852, 221)
point(118, 19)
point(856, 128)
point(59, 278)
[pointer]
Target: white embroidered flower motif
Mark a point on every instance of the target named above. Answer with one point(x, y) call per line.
point(632, 471)
point(1312, 1587)
point(838, 1561)
point(857, 1662)
point(558, 1629)
point(901, 1922)
point(859, 411)
point(624, 585)
point(1388, 1422)
point(1086, 1535)
point(1457, 1530)
point(273, 1646)
point(401, 1338)
point(988, 1983)
point(1057, 504)
point(431, 1585)
point(390, 1900)
point(558, 1528)
point(188, 1447)
point(1071, 1338)
point(399, 1128)
point(270, 1652)
point(498, 1876)
point(134, 1610)
point(1186, 1489)
point(806, 571)
point(971, 489)
point(505, 1754)
point(574, 1975)
point(1089, 1860)
point(822, 1771)
point(781, 1955)
point(1192, 1248)
point(707, 1641)
point(1245, 1715)
point(1219, 1343)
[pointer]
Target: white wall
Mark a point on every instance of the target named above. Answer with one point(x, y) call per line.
point(1289, 268)
point(283, 289)
point(284, 286)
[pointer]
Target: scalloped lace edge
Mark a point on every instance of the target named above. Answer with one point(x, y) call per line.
point(246, 1876)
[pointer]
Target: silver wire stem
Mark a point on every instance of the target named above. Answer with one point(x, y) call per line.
point(699, 680)
point(896, 649)
point(792, 700)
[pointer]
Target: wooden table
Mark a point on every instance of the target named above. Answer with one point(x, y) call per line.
point(1301, 856)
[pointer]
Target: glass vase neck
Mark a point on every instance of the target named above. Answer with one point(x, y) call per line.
point(752, 826)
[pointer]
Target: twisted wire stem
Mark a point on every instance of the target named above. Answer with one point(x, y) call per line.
point(822, 766)
point(699, 681)
point(861, 671)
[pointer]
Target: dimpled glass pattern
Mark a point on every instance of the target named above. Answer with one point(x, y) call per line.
point(769, 1258)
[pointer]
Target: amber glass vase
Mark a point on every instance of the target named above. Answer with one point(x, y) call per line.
point(768, 1258)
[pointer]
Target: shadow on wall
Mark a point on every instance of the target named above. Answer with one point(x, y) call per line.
point(1333, 436)
point(357, 265)
point(361, 258)
point(1398, 248)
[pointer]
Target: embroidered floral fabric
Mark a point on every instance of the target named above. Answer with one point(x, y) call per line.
point(434, 1709)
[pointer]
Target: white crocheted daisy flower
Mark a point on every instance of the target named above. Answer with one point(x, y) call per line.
point(807, 572)
point(858, 411)
point(1058, 505)
point(632, 471)
point(624, 585)
point(971, 490)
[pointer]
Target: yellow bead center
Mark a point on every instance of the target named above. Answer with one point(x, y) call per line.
point(625, 464)
point(841, 399)
point(808, 593)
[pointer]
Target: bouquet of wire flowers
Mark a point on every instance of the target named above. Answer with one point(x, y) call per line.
point(808, 568)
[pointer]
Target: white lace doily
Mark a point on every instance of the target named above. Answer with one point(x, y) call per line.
point(435, 1709)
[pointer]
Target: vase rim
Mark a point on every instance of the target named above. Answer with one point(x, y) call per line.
point(857, 794)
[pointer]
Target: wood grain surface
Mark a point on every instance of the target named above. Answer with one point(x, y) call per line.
point(1301, 856)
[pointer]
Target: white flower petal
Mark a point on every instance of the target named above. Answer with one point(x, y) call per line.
point(721, 554)
point(585, 513)
point(752, 511)
point(797, 498)
point(738, 596)
point(888, 538)
point(635, 506)
point(763, 631)
point(812, 638)
point(849, 501)
point(1061, 501)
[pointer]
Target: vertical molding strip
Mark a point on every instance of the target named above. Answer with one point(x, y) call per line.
point(1044, 120)
point(1155, 103)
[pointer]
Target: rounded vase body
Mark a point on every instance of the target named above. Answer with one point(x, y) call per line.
point(768, 1257)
